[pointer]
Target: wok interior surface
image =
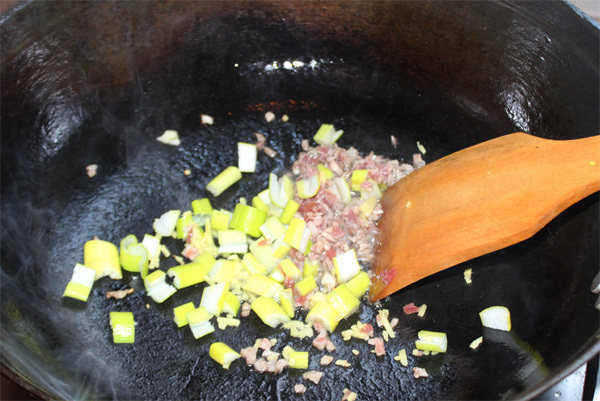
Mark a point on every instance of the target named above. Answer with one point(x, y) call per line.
point(96, 83)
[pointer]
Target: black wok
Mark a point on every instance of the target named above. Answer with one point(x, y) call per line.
point(97, 82)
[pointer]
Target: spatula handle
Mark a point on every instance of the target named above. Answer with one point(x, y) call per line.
point(576, 168)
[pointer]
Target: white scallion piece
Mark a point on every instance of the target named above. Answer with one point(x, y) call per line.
point(199, 322)
point(496, 317)
point(165, 225)
point(346, 266)
point(207, 119)
point(247, 157)
point(170, 137)
point(152, 245)
point(232, 241)
point(213, 298)
point(157, 287)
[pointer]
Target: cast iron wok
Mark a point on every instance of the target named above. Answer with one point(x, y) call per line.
point(97, 82)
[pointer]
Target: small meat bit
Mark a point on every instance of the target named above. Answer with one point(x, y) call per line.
point(410, 308)
point(330, 346)
point(320, 342)
point(269, 152)
point(379, 346)
point(249, 354)
point(120, 294)
point(260, 140)
point(326, 360)
point(305, 145)
point(246, 308)
point(299, 388)
point(265, 344)
point(419, 372)
point(280, 365)
point(394, 141)
point(313, 375)
point(261, 365)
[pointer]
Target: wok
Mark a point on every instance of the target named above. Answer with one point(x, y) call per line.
point(97, 82)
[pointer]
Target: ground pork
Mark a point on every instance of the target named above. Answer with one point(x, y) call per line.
point(337, 227)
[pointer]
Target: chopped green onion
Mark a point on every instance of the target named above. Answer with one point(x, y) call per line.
point(165, 225)
point(281, 190)
point(467, 274)
point(123, 327)
point(248, 219)
point(342, 189)
point(259, 204)
point(263, 286)
point(277, 275)
point(286, 300)
point(224, 180)
point(251, 264)
point(280, 248)
point(247, 157)
point(402, 357)
point(80, 285)
point(133, 256)
point(265, 196)
point(231, 304)
point(306, 285)
point(308, 187)
point(343, 301)
point(222, 354)
point(183, 224)
point(496, 317)
point(357, 178)
point(269, 311)
point(152, 245)
point(295, 233)
point(224, 322)
point(103, 257)
point(170, 137)
point(310, 269)
point(324, 173)
point(346, 266)
point(199, 322)
point(232, 241)
point(272, 228)
point(325, 314)
point(223, 271)
point(202, 206)
point(372, 191)
point(213, 298)
point(220, 219)
point(180, 313)
point(367, 205)
point(298, 359)
point(157, 287)
point(327, 135)
point(289, 211)
point(263, 252)
point(190, 274)
point(359, 284)
point(476, 343)
point(290, 269)
point(432, 341)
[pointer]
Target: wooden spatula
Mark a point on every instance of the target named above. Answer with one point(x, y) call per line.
point(476, 201)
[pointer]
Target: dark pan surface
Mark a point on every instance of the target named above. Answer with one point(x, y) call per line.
point(98, 82)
